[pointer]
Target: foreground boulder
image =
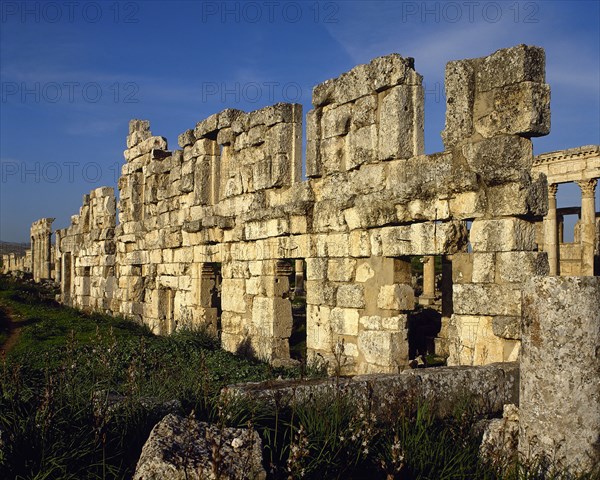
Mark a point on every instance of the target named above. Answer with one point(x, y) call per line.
point(186, 449)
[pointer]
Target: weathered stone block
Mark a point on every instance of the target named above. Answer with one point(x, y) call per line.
point(361, 146)
point(423, 239)
point(486, 299)
point(341, 269)
point(318, 328)
point(500, 160)
point(233, 297)
point(336, 121)
point(320, 293)
point(476, 344)
point(502, 235)
point(521, 109)
point(384, 348)
point(507, 327)
point(484, 267)
point(313, 143)
point(273, 316)
point(351, 296)
point(186, 138)
point(333, 152)
point(344, 321)
point(401, 123)
point(517, 267)
point(396, 297)
point(559, 395)
point(460, 96)
point(522, 63)
point(360, 244)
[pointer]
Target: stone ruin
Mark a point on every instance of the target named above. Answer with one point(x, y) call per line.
point(226, 233)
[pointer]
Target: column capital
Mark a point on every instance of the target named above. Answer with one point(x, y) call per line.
point(552, 189)
point(588, 187)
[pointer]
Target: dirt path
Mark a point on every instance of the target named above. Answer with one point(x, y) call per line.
point(13, 329)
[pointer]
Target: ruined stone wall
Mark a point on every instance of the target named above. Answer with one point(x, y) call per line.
point(86, 255)
point(209, 234)
point(12, 262)
point(193, 216)
point(486, 135)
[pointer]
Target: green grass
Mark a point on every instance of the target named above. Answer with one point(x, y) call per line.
point(58, 419)
point(64, 358)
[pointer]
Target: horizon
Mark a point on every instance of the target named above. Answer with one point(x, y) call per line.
point(74, 74)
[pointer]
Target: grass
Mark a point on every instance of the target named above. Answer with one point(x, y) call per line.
point(79, 394)
point(55, 383)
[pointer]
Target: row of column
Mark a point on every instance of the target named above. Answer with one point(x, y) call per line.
point(587, 228)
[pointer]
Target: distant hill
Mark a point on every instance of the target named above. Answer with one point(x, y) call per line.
point(10, 247)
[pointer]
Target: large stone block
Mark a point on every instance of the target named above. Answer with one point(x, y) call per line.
point(486, 299)
point(388, 349)
point(361, 146)
point(396, 297)
point(362, 80)
point(344, 321)
point(341, 269)
point(272, 316)
point(460, 96)
point(517, 267)
point(522, 63)
point(336, 121)
point(350, 295)
point(475, 343)
point(521, 109)
point(320, 293)
point(427, 238)
point(313, 143)
point(560, 393)
point(500, 160)
point(318, 328)
point(401, 123)
point(233, 296)
point(502, 235)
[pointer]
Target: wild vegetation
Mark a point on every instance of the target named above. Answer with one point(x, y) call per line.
point(79, 394)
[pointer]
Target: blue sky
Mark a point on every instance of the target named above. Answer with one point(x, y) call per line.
point(74, 73)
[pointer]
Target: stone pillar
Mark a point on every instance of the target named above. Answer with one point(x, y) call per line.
point(57, 259)
point(588, 225)
point(429, 277)
point(551, 231)
point(560, 372)
point(299, 277)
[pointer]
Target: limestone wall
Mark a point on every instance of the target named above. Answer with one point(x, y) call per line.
point(86, 255)
point(12, 262)
point(214, 233)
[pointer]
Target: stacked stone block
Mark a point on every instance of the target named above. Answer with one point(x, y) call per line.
point(484, 130)
point(207, 233)
point(85, 254)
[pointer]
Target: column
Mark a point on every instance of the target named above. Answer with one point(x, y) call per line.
point(551, 231)
point(429, 277)
point(299, 280)
point(587, 225)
